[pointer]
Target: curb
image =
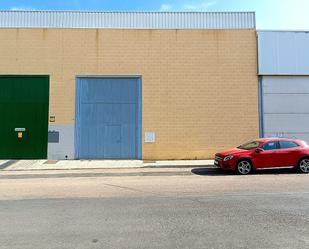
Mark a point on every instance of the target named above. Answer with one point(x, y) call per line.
point(115, 168)
point(5, 166)
point(178, 166)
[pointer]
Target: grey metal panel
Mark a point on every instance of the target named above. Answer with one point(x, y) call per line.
point(286, 84)
point(127, 20)
point(303, 136)
point(289, 95)
point(108, 118)
point(283, 53)
point(295, 123)
point(286, 103)
point(286, 106)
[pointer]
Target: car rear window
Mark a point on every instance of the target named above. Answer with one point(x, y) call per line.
point(288, 144)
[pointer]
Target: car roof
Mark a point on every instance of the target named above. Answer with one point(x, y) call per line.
point(265, 140)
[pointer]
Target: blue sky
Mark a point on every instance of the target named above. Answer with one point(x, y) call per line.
point(271, 14)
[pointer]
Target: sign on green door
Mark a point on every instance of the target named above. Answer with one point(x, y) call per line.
point(24, 117)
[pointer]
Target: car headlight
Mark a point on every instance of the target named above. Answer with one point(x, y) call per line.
point(228, 158)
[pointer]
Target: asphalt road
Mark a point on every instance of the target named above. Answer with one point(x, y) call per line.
point(134, 209)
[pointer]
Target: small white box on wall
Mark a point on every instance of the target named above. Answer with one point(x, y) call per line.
point(150, 137)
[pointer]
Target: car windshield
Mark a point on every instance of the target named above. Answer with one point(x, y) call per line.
point(249, 146)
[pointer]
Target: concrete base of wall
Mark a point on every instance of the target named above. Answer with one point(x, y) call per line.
point(64, 148)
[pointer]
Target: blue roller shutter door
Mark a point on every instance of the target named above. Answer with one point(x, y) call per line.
point(107, 118)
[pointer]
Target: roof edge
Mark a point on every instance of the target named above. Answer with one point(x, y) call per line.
point(283, 30)
point(127, 20)
point(112, 11)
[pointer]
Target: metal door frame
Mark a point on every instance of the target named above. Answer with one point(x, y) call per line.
point(78, 79)
point(261, 106)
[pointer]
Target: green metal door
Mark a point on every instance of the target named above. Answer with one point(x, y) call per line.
point(24, 117)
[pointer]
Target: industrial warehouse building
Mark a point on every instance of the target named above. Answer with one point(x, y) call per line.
point(80, 85)
point(284, 84)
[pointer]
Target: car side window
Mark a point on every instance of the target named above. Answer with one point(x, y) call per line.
point(288, 145)
point(270, 146)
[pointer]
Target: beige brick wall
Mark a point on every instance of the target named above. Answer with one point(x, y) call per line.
point(200, 87)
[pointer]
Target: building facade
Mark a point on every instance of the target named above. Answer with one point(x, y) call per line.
point(284, 83)
point(127, 85)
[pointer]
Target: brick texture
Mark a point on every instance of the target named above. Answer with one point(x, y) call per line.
point(200, 87)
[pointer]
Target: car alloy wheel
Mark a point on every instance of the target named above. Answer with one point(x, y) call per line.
point(304, 165)
point(244, 167)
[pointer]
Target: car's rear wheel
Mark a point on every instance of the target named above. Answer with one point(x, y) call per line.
point(244, 167)
point(304, 165)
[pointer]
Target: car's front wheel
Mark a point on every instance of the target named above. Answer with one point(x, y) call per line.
point(244, 167)
point(304, 165)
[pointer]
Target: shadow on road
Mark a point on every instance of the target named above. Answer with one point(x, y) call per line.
point(219, 172)
point(210, 172)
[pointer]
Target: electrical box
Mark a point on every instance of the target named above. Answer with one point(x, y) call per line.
point(150, 137)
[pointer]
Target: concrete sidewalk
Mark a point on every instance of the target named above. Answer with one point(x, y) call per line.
point(24, 165)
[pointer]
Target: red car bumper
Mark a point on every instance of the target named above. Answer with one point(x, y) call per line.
point(228, 165)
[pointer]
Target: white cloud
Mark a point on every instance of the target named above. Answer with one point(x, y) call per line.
point(190, 7)
point(194, 5)
point(22, 8)
point(166, 7)
point(208, 4)
point(199, 5)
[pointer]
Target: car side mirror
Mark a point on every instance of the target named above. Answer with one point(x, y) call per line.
point(259, 150)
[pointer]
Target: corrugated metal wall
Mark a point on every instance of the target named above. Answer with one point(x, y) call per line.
point(286, 106)
point(284, 67)
point(283, 53)
point(134, 20)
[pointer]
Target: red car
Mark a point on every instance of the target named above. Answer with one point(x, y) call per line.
point(266, 153)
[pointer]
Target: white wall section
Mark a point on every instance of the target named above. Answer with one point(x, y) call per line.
point(283, 53)
point(64, 149)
